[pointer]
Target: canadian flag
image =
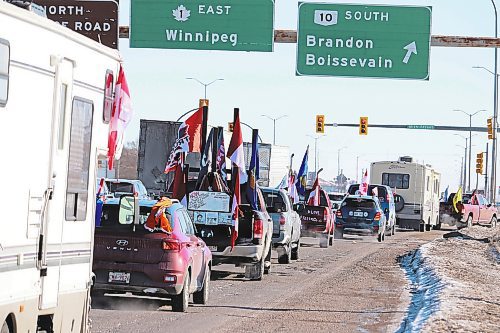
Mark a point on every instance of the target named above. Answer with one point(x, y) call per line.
point(314, 196)
point(120, 118)
point(235, 208)
point(235, 150)
point(363, 187)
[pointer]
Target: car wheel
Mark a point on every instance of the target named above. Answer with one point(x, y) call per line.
point(267, 261)
point(338, 234)
point(493, 222)
point(428, 227)
point(5, 328)
point(330, 239)
point(393, 231)
point(323, 241)
point(180, 302)
point(285, 256)
point(380, 237)
point(469, 221)
point(421, 227)
point(295, 251)
point(201, 297)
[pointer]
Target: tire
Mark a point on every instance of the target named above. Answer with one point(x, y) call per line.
point(5, 328)
point(380, 237)
point(294, 255)
point(437, 226)
point(338, 234)
point(323, 241)
point(180, 302)
point(201, 297)
point(393, 231)
point(330, 239)
point(428, 227)
point(469, 221)
point(493, 222)
point(267, 261)
point(421, 227)
point(255, 272)
point(286, 256)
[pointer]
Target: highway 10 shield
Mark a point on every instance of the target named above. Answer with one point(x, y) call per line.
point(363, 41)
point(230, 25)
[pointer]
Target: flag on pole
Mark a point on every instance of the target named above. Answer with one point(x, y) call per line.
point(235, 150)
point(120, 118)
point(179, 186)
point(235, 208)
point(292, 189)
point(315, 193)
point(188, 140)
point(283, 185)
point(253, 176)
point(445, 194)
point(301, 181)
point(363, 187)
point(221, 157)
point(456, 199)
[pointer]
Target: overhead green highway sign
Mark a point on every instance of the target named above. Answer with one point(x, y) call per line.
point(231, 25)
point(363, 41)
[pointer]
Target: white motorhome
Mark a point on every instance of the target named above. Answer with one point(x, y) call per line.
point(417, 192)
point(55, 105)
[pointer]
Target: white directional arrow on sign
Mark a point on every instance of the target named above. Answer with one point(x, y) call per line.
point(410, 49)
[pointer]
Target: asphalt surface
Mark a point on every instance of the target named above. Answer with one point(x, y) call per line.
point(355, 286)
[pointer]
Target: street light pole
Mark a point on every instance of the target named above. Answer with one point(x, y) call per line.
point(338, 160)
point(470, 140)
point(493, 180)
point(204, 84)
point(315, 151)
point(274, 124)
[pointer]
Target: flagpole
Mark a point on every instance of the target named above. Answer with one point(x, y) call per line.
point(204, 126)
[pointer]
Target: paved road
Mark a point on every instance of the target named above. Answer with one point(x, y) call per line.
point(354, 286)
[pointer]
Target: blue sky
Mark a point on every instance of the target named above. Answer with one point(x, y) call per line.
point(265, 83)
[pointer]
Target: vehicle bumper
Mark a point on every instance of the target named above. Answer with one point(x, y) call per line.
point(280, 240)
point(239, 254)
point(362, 229)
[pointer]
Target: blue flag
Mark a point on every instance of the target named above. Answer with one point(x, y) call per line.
point(301, 182)
point(253, 176)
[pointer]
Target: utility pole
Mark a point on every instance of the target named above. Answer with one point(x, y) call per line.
point(486, 174)
point(461, 172)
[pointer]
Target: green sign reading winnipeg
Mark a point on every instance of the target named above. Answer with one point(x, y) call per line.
point(363, 41)
point(229, 25)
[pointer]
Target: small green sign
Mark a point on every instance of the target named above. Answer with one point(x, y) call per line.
point(231, 25)
point(424, 127)
point(363, 41)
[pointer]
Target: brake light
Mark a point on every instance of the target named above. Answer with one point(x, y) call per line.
point(388, 197)
point(338, 213)
point(258, 229)
point(377, 216)
point(325, 214)
point(282, 221)
point(170, 245)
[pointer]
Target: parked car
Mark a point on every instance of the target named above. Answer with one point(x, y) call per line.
point(336, 199)
point(317, 221)
point(387, 203)
point(286, 224)
point(473, 209)
point(117, 187)
point(130, 258)
point(360, 215)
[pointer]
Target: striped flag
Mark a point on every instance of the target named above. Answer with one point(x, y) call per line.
point(235, 150)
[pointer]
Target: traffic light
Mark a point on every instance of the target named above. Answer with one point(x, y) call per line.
point(320, 123)
point(489, 122)
point(479, 163)
point(230, 127)
point(363, 125)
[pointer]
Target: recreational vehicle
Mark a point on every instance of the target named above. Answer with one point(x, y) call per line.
point(416, 189)
point(55, 105)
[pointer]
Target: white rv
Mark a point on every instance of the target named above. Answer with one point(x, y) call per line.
point(417, 191)
point(55, 94)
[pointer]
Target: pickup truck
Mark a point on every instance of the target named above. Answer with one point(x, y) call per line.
point(211, 212)
point(473, 209)
point(317, 221)
point(286, 224)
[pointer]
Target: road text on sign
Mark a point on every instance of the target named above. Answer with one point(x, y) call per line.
point(425, 127)
point(233, 25)
point(363, 41)
point(97, 20)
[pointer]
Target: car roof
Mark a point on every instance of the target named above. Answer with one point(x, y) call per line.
point(366, 197)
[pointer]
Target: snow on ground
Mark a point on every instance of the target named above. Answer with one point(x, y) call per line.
point(456, 284)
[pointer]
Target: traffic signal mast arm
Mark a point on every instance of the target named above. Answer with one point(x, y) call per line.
point(421, 127)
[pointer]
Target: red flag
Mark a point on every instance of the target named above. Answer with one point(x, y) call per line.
point(188, 139)
point(314, 196)
point(235, 150)
point(179, 188)
point(363, 187)
point(236, 208)
point(120, 117)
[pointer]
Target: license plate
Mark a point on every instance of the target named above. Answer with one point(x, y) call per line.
point(212, 248)
point(119, 277)
point(358, 214)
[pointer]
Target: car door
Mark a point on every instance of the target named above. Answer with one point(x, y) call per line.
point(486, 213)
point(193, 245)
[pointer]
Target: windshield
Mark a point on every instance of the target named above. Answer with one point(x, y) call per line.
point(121, 187)
point(274, 202)
point(355, 203)
point(336, 197)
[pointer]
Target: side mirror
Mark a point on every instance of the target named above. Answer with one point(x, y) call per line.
point(129, 209)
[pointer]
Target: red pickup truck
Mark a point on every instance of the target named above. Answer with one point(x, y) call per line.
point(473, 209)
point(317, 221)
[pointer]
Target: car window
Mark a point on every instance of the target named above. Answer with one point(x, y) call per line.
point(120, 187)
point(354, 203)
point(180, 218)
point(396, 180)
point(274, 201)
point(189, 223)
point(336, 197)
